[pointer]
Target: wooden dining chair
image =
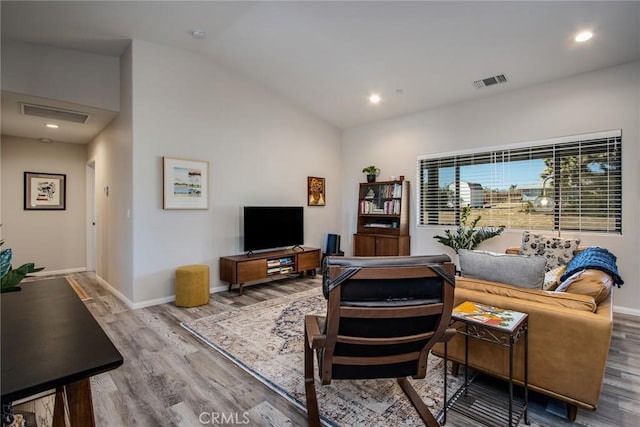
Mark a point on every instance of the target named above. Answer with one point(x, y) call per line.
point(383, 316)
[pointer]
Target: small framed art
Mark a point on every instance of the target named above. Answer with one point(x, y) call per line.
point(315, 191)
point(45, 191)
point(185, 184)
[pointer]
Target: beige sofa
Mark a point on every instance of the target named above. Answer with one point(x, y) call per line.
point(569, 337)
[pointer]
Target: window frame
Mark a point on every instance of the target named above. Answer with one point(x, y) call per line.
point(560, 148)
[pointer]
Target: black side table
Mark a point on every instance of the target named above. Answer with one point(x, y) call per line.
point(494, 325)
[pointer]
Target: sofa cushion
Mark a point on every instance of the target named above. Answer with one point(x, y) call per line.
point(557, 251)
point(519, 270)
point(590, 282)
point(558, 299)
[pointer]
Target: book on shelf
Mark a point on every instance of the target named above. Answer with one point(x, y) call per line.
point(487, 315)
point(377, 225)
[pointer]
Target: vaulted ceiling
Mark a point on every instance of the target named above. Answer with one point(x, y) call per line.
point(329, 56)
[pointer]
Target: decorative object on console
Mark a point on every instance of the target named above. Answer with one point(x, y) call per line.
point(315, 191)
point(372, 172)
point(468, 236)
point(557, 250)
point(44, 191)
point(523, 271)
point(185, 184)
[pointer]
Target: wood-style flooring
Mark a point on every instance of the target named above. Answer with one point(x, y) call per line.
point(170, 378)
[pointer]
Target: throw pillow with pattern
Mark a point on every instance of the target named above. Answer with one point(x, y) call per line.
point(558, 251)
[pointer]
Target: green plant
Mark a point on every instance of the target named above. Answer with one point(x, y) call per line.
point(468, 236)
point(11, 277)
point(371, 170)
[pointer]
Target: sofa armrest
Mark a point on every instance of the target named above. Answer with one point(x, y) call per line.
point(568, 348)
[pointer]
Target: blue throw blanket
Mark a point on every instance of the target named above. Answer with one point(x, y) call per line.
point(596, 258)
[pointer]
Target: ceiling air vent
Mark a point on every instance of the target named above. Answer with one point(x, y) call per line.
point(53, 113)
point(490, 81)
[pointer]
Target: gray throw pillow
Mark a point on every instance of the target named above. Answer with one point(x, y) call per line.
point(524, 271)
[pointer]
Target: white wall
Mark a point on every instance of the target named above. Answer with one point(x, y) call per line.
point(602, 100)
point(260, 150)
point(112, 154)
point(61, 74)
point(51, 239)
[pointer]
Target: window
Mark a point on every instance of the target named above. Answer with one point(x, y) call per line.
point(571, 183)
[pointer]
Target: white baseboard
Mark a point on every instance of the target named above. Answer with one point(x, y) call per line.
point(216, 289)
point(46, 272)
point(626, 310)
point(115, 292)
point(151, 302)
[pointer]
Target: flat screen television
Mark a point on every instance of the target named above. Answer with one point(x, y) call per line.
point(270, 227)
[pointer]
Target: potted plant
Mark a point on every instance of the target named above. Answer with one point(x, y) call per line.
point(11, 277)
point(468, 236)
point(372, 172)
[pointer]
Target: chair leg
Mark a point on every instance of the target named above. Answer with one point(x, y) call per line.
point(455, 368)
point(572, 412)
point(421, 407)
point(313, 415)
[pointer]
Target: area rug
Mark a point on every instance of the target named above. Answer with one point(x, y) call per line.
point(266, 340)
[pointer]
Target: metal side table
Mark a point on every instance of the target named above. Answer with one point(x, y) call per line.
point(494, 325)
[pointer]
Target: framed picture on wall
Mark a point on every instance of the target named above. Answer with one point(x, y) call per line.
point(45, 191)
point(185, 184)
point(315, 191)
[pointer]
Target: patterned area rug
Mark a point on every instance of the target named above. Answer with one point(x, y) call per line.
point(266, 340)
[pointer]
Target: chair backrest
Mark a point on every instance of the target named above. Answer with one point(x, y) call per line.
point(384, 314)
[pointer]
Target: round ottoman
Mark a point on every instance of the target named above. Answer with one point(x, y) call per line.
point(192, 285)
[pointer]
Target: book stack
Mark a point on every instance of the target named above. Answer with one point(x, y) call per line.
point(280, 265)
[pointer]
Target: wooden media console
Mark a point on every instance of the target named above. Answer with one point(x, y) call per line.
point(240, 269)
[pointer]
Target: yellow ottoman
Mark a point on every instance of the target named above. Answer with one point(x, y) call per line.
point(192, 285)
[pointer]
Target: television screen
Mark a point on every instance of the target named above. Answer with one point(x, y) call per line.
point(269, 227)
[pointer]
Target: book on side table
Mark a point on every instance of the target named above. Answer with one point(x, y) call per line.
point(488, 315)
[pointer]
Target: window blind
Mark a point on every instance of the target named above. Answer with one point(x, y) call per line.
point(570, 183)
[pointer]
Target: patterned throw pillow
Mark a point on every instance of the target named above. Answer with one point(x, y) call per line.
point(552, 278)
point(556, 250)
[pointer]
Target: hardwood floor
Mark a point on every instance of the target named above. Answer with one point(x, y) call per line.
point(170, 378)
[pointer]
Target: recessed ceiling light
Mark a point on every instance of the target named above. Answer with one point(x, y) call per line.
point(374, 98)
point(45, 140)
point(583, 36)
point(52, 125)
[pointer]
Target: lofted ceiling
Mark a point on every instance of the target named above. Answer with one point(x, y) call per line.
point(329, 56)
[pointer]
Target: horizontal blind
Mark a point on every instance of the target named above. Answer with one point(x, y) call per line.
point(581, 175)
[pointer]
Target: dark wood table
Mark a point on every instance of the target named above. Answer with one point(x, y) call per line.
point(50, 340)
